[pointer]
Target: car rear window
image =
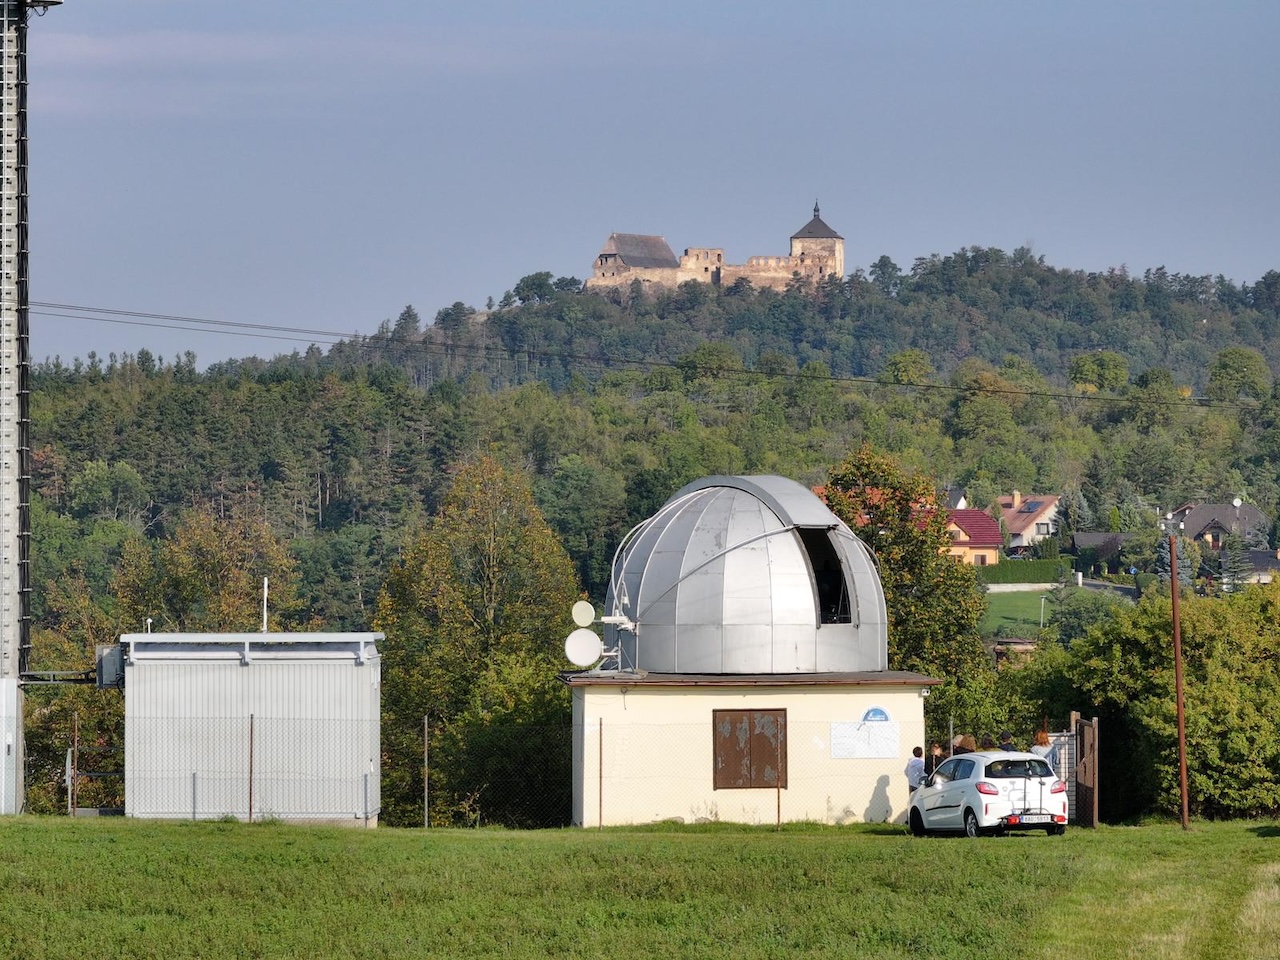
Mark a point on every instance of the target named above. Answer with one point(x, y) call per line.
point(1018, 769)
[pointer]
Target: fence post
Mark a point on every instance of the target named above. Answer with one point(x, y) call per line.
point(251, 768)
point(194, 805)
point(777, 777)
point(600, 776)
point(426, 774)
point(73, 788)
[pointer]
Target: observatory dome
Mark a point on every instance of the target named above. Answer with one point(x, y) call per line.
point(746, 575)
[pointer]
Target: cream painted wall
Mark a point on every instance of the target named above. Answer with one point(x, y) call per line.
point(644, 753)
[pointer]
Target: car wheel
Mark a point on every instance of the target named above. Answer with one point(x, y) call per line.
point(1057, 830)
point(917, 824)
point(971, 828)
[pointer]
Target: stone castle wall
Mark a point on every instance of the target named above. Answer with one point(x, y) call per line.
point(811, 258)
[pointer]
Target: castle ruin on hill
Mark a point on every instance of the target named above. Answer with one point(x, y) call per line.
point(817, 252)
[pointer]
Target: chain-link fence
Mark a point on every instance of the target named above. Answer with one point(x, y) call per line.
point(746, 766)
point(253, 768)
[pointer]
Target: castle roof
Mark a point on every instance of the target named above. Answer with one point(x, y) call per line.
point(638, 250)
point(815, 229)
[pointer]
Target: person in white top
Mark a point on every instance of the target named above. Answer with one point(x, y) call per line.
point(915, 769)
point(1043, 748)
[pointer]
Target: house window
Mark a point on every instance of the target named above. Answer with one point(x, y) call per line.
point(979, 559)
point(750, 749)
point(1042, 529)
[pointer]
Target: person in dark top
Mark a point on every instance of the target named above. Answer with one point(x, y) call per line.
point(935, 757)
point(1006, 741)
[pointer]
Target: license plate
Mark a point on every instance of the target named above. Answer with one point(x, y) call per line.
point(1035, 818)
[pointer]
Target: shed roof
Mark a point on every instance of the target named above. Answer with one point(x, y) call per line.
point(245, 647)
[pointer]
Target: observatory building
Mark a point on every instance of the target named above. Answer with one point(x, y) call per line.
point(743, 673)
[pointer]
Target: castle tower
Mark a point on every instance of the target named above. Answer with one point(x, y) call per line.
point(819, 247)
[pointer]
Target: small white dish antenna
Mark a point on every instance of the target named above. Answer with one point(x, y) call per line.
point(583, 647)
point(584, 614)
point(1236, 502)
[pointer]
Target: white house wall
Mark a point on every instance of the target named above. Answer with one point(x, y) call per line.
point(645, 754)
point(314, 730)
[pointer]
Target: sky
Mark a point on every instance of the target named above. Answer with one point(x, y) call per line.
point(318, 166)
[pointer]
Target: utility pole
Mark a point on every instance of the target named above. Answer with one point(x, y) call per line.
point(1177, 683)
point(15, 396)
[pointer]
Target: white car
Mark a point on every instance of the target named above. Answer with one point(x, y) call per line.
point(990, 792)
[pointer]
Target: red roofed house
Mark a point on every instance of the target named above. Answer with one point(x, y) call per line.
point(975, 537)
point(1029, 519)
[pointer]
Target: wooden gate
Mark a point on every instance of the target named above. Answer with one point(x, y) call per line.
point(1086, 769)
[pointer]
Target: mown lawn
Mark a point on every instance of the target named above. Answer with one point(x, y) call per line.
point(103, 889)
point(1015, 614)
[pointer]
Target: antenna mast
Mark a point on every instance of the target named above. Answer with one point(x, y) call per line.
point(15, 396)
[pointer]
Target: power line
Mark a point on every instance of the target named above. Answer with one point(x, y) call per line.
point(333, 338)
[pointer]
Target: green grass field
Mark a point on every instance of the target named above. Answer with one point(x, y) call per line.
point(1014, 614)
point(105, 889)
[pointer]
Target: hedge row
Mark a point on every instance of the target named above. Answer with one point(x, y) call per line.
point(1025, 571)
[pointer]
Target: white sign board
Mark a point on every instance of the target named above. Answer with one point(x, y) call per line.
point(865, 739)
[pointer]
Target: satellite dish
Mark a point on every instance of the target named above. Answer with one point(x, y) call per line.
point(583, 647)
point(584, 614)
point(1236, 503)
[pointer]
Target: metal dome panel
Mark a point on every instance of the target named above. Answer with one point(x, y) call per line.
point(746, 575)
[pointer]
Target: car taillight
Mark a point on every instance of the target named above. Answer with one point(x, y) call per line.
point(988, 788)
point(1058, 787)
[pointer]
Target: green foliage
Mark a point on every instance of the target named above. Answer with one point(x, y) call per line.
point(1024, 571)
point(1234, 565)
point(1188, 557)
point(475, 614)
point(1075, 610)
point(209, 575)
point(933, 602)
point(1239, 372)
point(1102, 370)
point(1124, 667)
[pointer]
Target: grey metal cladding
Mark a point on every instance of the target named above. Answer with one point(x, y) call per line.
point(720, 581)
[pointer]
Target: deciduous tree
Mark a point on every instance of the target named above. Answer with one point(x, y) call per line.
point(475, 616)
point(934, 602)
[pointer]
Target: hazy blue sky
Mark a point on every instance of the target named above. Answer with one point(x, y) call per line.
point(319, 164)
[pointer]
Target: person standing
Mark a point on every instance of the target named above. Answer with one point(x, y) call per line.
point(1043, 748)
point(935, 757)
point(915, 770)
point(1006, 742)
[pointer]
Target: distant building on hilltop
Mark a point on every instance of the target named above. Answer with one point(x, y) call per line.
point(817, 252)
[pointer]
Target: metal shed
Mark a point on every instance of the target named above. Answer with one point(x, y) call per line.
point(253, 726)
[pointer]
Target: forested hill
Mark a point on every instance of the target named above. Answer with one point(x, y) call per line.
point(976, 303)
point(992, 370)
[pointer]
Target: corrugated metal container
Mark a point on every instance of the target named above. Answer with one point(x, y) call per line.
point(253, 726)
